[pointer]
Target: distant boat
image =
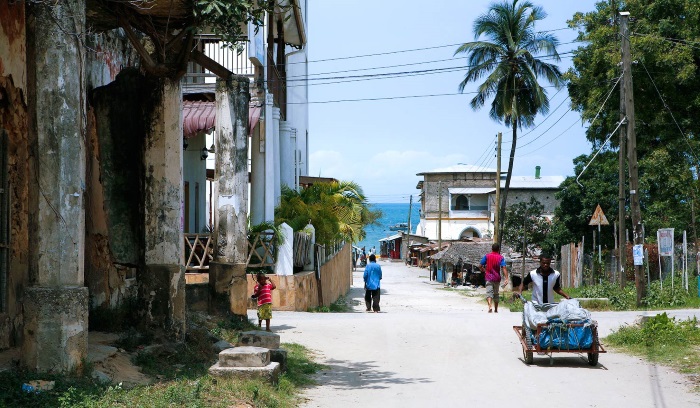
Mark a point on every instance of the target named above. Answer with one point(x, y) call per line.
point(401, 226)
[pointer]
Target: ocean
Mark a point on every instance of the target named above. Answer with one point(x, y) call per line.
point(392, 213)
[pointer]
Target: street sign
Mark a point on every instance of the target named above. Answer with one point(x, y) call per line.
point(598, 217)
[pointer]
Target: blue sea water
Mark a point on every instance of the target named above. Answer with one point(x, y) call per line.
point(392, 213)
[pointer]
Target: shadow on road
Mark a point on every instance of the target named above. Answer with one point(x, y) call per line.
point(570, 361)
point(353, 374)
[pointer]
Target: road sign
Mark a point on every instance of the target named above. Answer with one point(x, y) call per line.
point(598, 217)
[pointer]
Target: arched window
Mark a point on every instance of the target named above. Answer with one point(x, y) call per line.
point(462, 203)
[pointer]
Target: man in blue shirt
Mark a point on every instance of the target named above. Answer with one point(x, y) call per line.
point(372, 276)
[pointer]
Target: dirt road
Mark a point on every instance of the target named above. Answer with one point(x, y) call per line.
point(433, 347)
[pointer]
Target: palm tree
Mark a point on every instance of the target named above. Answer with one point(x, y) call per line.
point(507, 59)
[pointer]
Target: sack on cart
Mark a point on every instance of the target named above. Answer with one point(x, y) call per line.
point(566, 335)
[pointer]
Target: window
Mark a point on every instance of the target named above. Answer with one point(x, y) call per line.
point(470, 202)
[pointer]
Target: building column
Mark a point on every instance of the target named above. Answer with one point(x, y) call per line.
point(162, 282)
point(227, 278)
point(287, 165)
point(270, 154)
point(56, 300)
point(276, 157)
point(257, 174)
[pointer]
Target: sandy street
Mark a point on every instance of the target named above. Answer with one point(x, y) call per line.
point(434, 347)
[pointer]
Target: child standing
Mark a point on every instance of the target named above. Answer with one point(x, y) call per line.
point(263, 293)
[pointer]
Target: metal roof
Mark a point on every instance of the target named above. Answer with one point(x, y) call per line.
point(460, 168)
point(391, 238)
point(544, 182)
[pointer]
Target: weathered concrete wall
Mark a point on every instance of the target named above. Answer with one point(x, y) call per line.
point(299, 292)
point(14, 122)
point(116, 135)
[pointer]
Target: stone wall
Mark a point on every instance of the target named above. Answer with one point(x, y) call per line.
point(299, 292)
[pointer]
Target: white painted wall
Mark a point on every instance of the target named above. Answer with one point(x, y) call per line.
point(195, 171)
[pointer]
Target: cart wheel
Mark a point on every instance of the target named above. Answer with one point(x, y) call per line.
point(527, 353)
point(592, 359)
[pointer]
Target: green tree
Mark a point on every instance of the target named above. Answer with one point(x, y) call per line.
point(525, 226)
point(337, 210)
point(508, 59)
point(666, 80)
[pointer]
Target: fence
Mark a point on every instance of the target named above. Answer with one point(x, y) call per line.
point(579, 268)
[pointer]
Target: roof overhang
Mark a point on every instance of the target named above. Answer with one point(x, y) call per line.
point(294, 33)
point(471, 190)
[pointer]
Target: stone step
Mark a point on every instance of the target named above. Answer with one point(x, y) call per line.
point(244, 357)
point(259, 338)
point(269, 373)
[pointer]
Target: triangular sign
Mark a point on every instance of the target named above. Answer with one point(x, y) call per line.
point(598, 217)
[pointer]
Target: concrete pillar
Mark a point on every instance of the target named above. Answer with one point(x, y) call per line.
point(257, 175)
point(276, 157)
point(162, 282)
point(287, 169)
point(270, 154)
point(285, 254)
point(56, 300)
point(227, 277)
point(312, 262)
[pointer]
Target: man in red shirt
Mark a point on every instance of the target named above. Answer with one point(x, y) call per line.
point(491, 265)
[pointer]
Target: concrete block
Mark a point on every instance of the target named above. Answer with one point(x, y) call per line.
point(279, 356)
point(269, 373)
point(259, 338)
point(244, 357)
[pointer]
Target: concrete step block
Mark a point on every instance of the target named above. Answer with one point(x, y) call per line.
point(259, 338)
point(269, 373)
point(279, 356)
point(244, 357)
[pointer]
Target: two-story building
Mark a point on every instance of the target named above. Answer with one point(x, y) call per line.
point(459, 201)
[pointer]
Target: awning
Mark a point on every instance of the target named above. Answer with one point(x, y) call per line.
point(472, 190)
point(200, 116)
point(253, 117)
point(197, 116)
point(391, 238)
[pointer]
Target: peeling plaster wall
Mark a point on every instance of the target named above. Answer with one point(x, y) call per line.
point(111, 254)
point(14, 121)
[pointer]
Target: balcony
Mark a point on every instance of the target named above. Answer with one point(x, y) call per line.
point(200, 80)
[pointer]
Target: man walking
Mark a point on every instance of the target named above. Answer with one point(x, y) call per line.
point(491, 266)
point(372, 276)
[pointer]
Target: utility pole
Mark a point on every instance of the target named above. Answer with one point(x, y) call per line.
point(497, 217)
point(408, 235)
point(632, 151)
point(439, 215)
point(622, 239)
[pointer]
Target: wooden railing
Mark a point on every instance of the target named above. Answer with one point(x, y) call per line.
point(261, 250)
point(198, 251)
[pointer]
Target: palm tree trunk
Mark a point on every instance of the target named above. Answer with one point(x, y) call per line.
point(504, 196)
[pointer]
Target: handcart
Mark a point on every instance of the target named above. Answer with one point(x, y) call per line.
point(560, 337)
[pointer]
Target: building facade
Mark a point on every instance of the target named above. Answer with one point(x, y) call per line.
point(459, 202)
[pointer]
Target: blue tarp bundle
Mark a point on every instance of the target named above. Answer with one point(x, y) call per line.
point(559, 335)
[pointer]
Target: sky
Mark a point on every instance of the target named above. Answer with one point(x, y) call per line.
point(380, 131)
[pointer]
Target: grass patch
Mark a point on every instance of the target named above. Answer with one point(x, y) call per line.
point(339, 306)
point(662, 339)
point(183, 379)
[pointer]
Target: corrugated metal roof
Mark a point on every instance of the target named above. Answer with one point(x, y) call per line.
point(532, 182)
point(471, 190)
point(197, 116)
point(391, 238)
point(460, 168)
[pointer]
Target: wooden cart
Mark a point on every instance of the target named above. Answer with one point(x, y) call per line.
point(524, 334)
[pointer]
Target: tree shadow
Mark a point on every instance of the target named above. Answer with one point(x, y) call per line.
point(353, 374)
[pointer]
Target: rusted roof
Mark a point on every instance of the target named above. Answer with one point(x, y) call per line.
point(197, 116)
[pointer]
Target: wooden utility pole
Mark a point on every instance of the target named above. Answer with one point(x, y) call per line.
point(439, 215)
point(408, 233)
point(622, 241)
point(497, 217)
point(632, 151)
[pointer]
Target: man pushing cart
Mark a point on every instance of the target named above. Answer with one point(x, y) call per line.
point(549, 327)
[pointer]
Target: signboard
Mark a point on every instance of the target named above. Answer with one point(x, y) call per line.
point(665, 236)
point(598, 217)
point(638, 254)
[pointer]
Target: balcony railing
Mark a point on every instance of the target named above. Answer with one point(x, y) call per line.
point(230, 58)
point(198, 252)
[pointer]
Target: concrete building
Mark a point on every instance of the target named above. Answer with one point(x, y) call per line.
point(459, 201)
point(92, 167)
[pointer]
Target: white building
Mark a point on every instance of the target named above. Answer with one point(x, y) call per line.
point(460, 201)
